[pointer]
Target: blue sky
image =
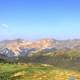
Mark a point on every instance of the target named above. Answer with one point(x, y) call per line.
point(34, 19)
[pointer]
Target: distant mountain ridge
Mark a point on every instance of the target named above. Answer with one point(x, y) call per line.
point(12, 49)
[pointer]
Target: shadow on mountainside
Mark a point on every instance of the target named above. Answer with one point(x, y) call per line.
point(57, 61)
point(60, 61)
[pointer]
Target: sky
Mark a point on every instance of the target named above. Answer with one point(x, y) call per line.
point(34, 19)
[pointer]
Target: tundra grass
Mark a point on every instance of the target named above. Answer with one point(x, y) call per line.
point(36, 72)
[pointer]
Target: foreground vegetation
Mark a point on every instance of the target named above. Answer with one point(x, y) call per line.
point(36, 72)
point(59, 65)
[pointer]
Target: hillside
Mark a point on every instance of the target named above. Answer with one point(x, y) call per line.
point(36, 72)
point(45, 59)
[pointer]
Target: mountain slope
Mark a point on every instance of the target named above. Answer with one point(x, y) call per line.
point(19, 48)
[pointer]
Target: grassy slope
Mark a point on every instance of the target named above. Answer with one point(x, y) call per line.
point(35, 72)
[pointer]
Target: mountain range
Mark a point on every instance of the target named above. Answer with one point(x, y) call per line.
point(12, 50)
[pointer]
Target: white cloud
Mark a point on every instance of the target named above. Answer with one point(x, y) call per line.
point(4, 26)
